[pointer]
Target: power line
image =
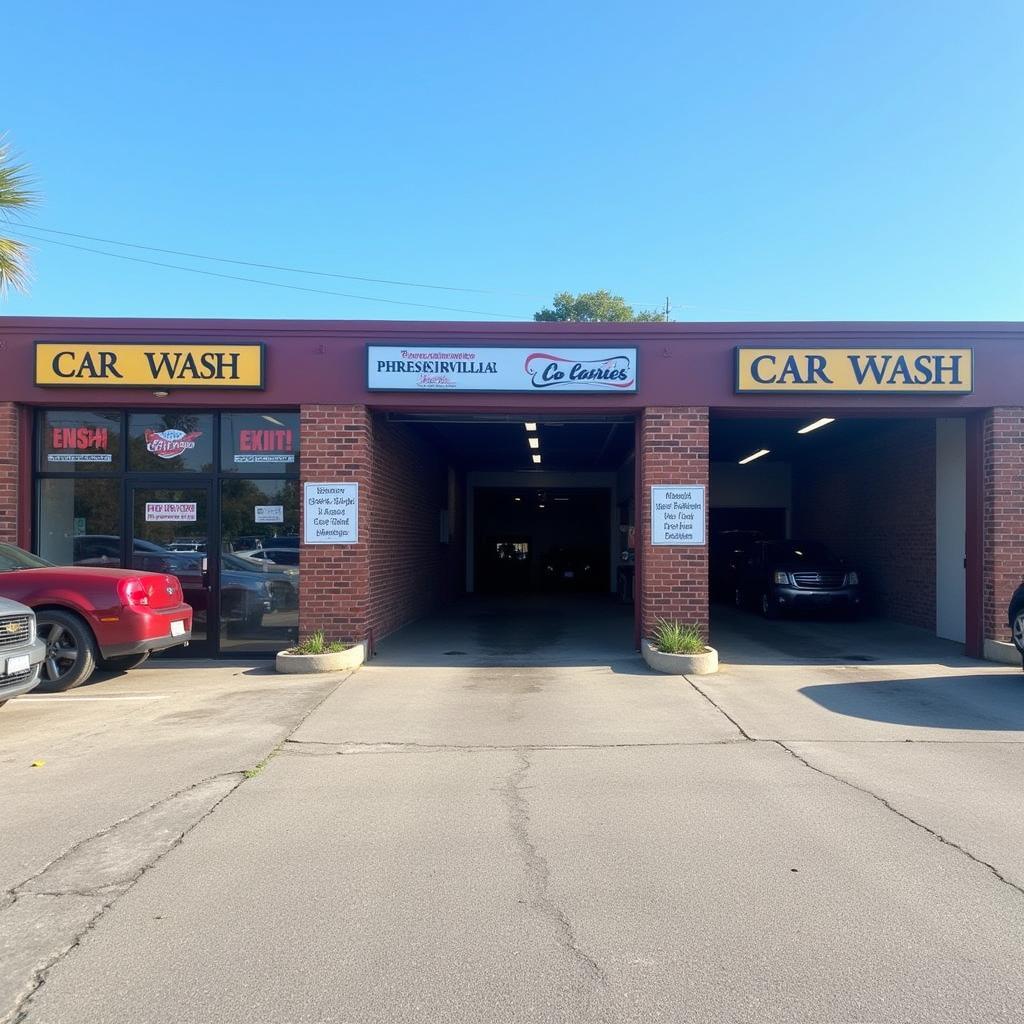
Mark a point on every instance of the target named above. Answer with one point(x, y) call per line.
point(298, 270)
point(255, 280)
point(272, 266)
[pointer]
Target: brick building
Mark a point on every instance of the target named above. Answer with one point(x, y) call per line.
point(356, 476)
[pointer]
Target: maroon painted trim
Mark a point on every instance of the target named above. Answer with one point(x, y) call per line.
point(974, 547)
point(27, 447)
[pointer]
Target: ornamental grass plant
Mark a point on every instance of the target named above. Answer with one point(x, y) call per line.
point(672, 637)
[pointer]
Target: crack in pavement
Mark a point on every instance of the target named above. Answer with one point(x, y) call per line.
point(590, 979)
point(867, 792)
point(73, 892)
point(902, 814)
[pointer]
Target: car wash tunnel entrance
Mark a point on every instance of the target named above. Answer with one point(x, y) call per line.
point(855, 527)
point(535, 516)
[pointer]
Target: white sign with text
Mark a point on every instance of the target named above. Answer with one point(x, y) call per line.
point(430, 367)
point(170, 511)
point(331, 513)
point(268, 513)
point(677, 514)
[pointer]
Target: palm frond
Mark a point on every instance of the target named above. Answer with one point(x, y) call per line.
point(16, 192)
point(14, 266)
point(16, 196)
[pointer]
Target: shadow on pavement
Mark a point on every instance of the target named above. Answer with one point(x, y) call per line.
point(984, 702)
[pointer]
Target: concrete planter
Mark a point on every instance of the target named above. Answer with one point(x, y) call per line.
point(307, 664)
point(680, 664)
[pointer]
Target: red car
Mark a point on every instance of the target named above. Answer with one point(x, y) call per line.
point(110, 618)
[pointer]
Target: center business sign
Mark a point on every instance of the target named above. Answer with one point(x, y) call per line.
point(875, 369)
point(430, 368)
point(144, 365)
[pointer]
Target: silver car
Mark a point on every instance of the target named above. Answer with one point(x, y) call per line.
point(21, 650)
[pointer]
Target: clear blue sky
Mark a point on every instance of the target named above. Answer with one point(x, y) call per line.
point(801, 160)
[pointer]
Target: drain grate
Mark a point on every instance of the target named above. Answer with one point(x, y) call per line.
point(454, 652)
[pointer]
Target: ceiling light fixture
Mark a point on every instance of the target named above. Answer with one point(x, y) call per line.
point(823, 422)
point(756, 455)
point(530, 426)
point(517, 499)
point(160, 394)
point(536, 458)
point(534, 442)
point(540, 506)
point(271, 419)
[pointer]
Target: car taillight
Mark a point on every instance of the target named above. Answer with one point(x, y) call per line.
point(132, 592)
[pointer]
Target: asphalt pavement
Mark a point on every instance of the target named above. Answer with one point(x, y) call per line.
point(464, 831)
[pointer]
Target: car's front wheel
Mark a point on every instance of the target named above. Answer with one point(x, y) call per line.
point(769, 609)
point(1018, 630)
point(70, 650)
point(125, 663)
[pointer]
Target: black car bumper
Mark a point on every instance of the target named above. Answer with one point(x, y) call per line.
point(800, 599)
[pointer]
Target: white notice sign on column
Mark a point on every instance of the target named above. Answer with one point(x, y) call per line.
point(677, 514)
point(331, 513)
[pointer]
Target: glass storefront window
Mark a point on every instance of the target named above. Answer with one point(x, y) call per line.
point(227, 525)
point(173, 442)
point(259, 564)
point(259, 442)
point(80, 521)
point(79, 441)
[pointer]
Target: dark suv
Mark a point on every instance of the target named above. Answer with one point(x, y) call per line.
point(794, 575)
point(1015, 619)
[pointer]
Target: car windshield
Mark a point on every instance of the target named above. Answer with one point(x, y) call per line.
point(795, 551)
point(12, 558)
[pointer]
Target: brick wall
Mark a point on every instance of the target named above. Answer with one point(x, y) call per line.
point(873, 502)
point(399, 570)
point(9, 456)
point(334, 590)
point(1003, 516)
point(674, 580)
point(411, 571)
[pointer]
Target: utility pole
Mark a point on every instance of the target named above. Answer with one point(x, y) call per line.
point(668, 307)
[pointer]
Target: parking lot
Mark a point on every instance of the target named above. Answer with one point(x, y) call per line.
point(562, 838)
point(122, 743)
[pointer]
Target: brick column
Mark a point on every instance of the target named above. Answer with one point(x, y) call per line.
point(10, 454)
point(334, 583)
point(673, 580)
point(1002, 517)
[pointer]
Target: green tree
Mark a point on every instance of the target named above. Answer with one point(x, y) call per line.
point(15, 197)
point(595, 308)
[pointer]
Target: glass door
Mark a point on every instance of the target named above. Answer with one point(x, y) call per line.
point(170, 533)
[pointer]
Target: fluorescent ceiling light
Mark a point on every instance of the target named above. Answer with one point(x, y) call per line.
point(823, 422)
point(536, 458)
point(270, 419)
point(530, 426)
point(561, 499)
point(540, 506)
point(534, 442)
point(756, 455)
point(517, 499)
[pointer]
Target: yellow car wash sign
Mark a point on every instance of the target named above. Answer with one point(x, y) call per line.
point(140, 365)
point(926, 371)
